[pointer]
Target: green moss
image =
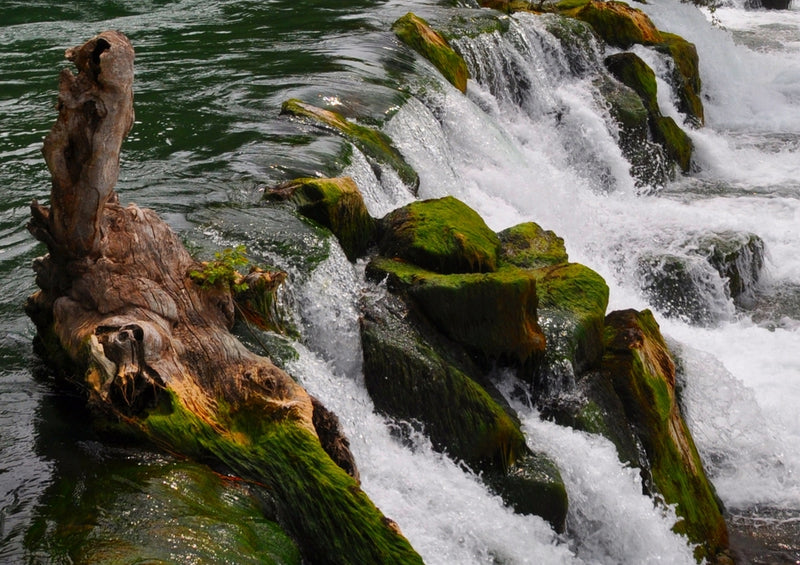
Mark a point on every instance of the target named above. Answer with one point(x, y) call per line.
point(417, 34)
point(374, 144)
point(615, 22)
point(632, 71)
point(629, 69)
point(334, 203)
point(678, 145)
point(443, 235)
point(493, 314)
point(319, 504)
point(409, 380)
point(686, 78)
point(528, 246)
point(641, 369)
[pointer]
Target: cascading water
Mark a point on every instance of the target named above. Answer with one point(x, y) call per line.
point(532, 140)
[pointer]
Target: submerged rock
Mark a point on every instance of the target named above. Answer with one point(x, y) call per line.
point(374, 144)
point(417, 34)
point(642, 371)
point(336, 204)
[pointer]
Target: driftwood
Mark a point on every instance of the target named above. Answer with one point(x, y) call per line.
point(151, 347)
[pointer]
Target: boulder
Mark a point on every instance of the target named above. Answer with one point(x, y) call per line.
point(616, 23)
point(414, 375)
point(572, 307)
point(417, 34)
point(633, 72)
point(642, 371)
point(528, 246)
point(376, 145)
point(492, 314)
point(685, 77)
point(335, 203)
point(442, 235)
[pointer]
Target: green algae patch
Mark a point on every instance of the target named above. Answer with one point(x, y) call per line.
point(572, 306)
point(409, 380)
point(335, 203)
point(686, 75)
point(528, 246)
point(417, 34)
point(139, 508)
point(494, 314)
point(374, 144)
point(442, 235)
point(615, 22)
point(642, 371)
point(633, 72)
point(319, 504)
point(676, 142)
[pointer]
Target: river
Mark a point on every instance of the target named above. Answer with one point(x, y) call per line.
point(210, 79)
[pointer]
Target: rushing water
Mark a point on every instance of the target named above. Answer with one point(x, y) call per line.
point(531, 141)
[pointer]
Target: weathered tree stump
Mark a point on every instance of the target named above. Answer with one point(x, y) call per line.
point(151, 347)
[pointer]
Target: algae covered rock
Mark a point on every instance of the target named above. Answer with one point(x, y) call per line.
point(642, 371)
point(633, 72)
point(417, 34)
point(493, 314)
point(572, 307)
point(442, 235)
point(529, 246)
point(334, 203)
point(415, 376)
point(686, 75)
point(615, 22)
point(374, 144)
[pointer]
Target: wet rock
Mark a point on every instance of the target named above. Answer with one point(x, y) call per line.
point(529, 246)
point(442, 235)
point(642, 371)
point(417, 34)
point(685, 76)
point(415, 376)
point(615, 22)
point(376, 145)
point(334, 203)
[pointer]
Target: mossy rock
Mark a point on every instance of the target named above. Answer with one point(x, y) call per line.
point(408, 379)
point(374, 144)
point(442, 235)
point(676, 142)
point(258, 301)
point(183, 513)
point(413, 378)
point(686, 76)
point(335, 203)
point(492, 314)
point(528, 246)
point(320, 505)
point(649, 165)
point(572, 307)
point(417, 34)
point(615, 22)
point(642, 371)
point(534, 486)
point(633, 72)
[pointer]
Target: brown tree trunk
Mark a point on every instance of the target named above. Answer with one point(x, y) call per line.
point(152, 348)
